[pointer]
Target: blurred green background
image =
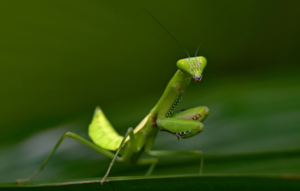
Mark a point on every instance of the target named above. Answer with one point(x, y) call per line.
point(60, 59)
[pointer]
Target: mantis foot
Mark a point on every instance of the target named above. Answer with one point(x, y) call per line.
point(103, 180)
point(22, 180)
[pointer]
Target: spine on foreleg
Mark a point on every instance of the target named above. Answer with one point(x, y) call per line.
point(102, 133)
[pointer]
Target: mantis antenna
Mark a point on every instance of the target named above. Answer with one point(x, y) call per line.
point(211, 28)
point(168, 32)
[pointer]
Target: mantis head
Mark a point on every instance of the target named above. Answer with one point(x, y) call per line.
point(192, 67)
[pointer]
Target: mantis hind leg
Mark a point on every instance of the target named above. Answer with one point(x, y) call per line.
point(88, 143)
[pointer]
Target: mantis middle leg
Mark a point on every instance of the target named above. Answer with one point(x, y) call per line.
point(153, 161)
point(132, 148)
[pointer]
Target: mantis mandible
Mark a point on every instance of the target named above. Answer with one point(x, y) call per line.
point(183, 125)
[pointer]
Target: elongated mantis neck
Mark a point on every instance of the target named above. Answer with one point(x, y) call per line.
point(172, 95)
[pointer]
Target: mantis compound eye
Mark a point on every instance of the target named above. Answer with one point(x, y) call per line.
point(197, 79)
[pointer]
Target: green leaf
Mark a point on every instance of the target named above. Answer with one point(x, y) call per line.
point(264, 177)
point(188, 182)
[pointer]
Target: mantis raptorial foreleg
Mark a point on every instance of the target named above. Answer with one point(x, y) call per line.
point(197, 113)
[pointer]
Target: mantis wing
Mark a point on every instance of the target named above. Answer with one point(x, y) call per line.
point(102, 133)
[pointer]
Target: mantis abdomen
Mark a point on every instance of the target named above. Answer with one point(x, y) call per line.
point(102, 133)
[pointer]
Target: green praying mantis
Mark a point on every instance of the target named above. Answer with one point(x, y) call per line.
point(183, 125)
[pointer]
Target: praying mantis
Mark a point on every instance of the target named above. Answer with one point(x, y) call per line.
point(183, 125)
